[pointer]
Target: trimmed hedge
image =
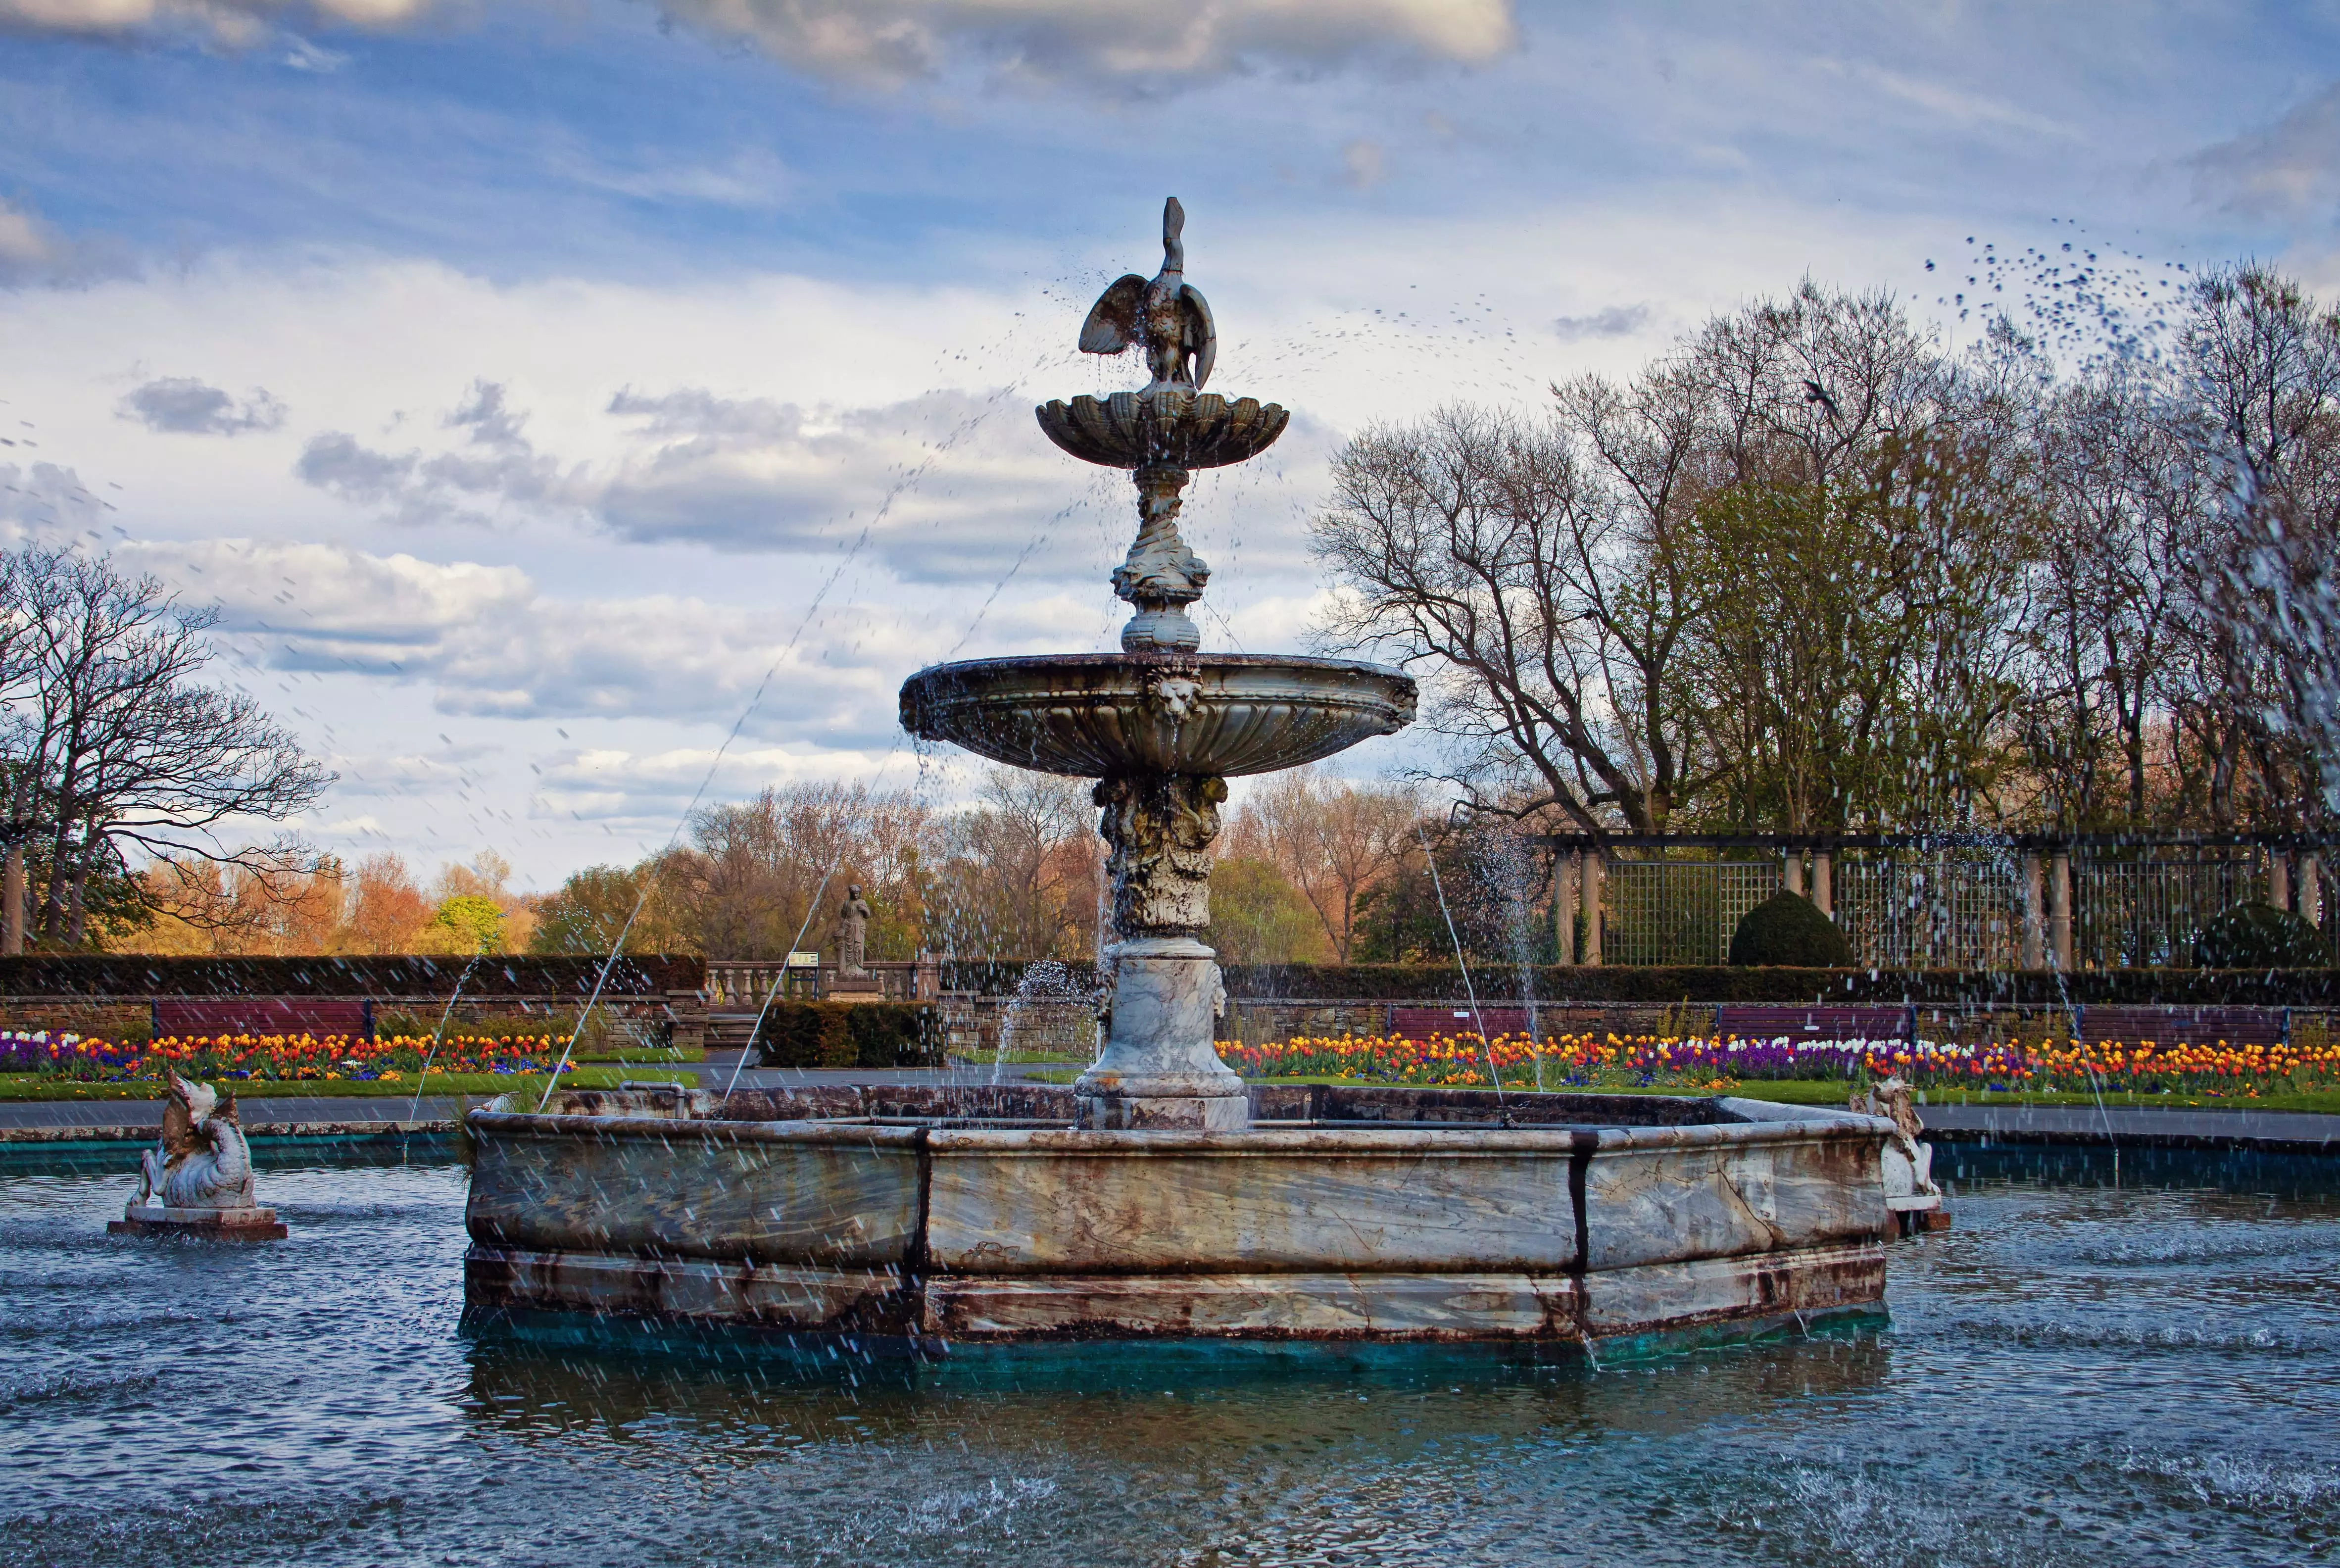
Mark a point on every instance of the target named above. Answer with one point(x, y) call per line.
point(850, 1034)
point(1788, 928)
point(136, 975)
point(1659, 984)
point(1003, 977)
point(2258, 934)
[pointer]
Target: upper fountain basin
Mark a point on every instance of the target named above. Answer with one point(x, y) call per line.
point(1173, 426)
point(1113, 715)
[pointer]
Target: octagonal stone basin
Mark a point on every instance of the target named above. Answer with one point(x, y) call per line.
point(919, 1216)
point(1110, 715)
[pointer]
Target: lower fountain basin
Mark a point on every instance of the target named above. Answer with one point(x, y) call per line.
point(1108, 715)
point(934, 1214)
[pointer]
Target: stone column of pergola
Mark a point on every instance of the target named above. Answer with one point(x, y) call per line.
point(2035, 917)
point(2060, 909)
point(1567, 866)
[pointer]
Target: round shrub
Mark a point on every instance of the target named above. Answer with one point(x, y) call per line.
point(1786, 930)
point(2258, 936)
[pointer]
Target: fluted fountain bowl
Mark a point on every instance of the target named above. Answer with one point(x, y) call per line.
point(1113, 715)
point(1175, 426)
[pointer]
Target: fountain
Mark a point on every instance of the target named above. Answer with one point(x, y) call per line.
point(1161, 726)
point(1160, 1196)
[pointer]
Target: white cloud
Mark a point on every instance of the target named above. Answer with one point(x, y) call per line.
point(236, 21)
point(44, 500)
point(26, 244)
point(947, 483)
point(1614, 321)
point(1128, 44)
point(750, 179)
point(186, 405)
point(1136, 46)
point(2290, 168)
point(492, 644)
point(611, 783)
point(1942, 99)
point(33, 252)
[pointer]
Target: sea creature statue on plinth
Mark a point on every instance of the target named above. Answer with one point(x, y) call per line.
point(198, 1175)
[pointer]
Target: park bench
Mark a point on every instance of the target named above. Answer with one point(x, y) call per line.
point(2170, 1026)
point(210, 1015)
point(1456, 1018)
point(1770, 1021)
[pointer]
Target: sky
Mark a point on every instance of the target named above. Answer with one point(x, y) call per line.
point(579, 408)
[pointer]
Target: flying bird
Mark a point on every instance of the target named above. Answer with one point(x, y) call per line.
point(1815, 392)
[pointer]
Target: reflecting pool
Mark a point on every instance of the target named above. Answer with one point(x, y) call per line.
point(2133, 1362)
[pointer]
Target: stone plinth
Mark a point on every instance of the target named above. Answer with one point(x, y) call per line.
point(1160, 1068)
point(217, 1224)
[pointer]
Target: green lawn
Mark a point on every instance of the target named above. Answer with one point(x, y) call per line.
point(35, 1086)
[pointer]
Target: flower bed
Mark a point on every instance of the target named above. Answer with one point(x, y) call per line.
point(274, 1058)
point(1578, 1061)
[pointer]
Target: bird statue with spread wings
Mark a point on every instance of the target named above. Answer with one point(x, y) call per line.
point(1168, 317)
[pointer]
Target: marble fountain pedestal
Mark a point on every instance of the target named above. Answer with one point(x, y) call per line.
point(1158, 1195)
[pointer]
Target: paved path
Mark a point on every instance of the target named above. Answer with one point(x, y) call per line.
point(2298, 1131)
point(716, 1074)
point(43, 1121)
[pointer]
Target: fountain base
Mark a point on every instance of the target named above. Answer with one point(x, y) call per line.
point(1160, 1068)
point(922, 1214)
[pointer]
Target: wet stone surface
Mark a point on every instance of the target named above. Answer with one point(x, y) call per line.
point(2081, 1373)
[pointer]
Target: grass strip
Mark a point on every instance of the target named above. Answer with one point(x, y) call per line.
point(26, 1086)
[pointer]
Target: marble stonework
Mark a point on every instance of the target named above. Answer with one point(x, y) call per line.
point(1381, 1229)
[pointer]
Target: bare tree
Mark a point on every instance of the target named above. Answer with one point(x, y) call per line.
point(2263, 363)
point(1332, 840)
point(118, 746)
point(1024, 873)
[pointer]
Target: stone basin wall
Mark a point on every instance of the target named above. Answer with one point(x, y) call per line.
point(927, 1215)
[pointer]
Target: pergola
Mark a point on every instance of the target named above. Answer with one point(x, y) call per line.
point(2293, 871)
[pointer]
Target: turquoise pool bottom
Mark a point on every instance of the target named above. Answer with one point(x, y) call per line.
point(2138, 1365)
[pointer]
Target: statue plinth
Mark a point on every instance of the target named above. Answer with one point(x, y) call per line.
point(218, 1224)
point(197, 1178)
point(1160, 1066)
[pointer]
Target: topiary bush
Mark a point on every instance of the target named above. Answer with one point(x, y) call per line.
point(848, 1035)
point(1788, 930)
point(2258, 936)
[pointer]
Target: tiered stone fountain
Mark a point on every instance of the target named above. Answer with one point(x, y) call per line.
point(1161, 726)
point(1159, 1195)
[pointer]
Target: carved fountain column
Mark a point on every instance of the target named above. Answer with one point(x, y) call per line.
point(1160, 1065)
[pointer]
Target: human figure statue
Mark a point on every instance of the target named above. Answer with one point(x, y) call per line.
point(1892, 1100)
point(852, 933)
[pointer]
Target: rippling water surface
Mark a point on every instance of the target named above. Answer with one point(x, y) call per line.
point(2081, 1373)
